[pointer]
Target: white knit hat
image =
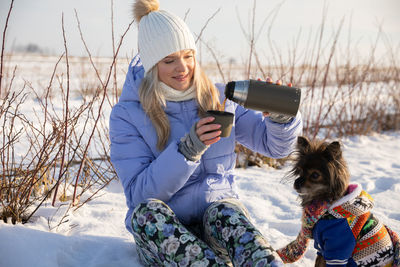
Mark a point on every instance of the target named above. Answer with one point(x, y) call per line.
point(160, 33)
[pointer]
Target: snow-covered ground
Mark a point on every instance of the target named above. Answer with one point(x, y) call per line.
point(95, 235)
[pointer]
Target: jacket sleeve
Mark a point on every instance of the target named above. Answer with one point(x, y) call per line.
point(265, 136)
point(334, 240)
point(142, 174)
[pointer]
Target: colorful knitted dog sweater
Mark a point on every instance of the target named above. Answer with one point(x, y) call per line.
point(373, 243)
point(296, 249)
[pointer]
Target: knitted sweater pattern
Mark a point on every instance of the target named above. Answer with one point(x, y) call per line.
point(376, 244)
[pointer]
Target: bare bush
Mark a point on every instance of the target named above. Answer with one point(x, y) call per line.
point(54, 145)
point(343, 92)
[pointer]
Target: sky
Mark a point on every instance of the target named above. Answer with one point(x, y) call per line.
point(39, 22)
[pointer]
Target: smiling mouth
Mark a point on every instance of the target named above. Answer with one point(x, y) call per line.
point(181, 78)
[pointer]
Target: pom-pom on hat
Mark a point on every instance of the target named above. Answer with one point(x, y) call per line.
point(160, 33)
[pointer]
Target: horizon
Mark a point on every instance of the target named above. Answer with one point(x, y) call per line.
point(287, 21)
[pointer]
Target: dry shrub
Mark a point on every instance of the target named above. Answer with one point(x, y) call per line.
point(55, 146)
point(343, 92)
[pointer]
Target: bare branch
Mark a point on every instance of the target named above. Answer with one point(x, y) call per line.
point(66, 115)
point(205, 25)
point(3, 44)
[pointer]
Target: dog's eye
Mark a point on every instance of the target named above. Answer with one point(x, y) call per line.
point(314, 175)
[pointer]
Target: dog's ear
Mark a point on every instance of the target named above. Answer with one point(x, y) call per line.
point(302, 143)
point(334, 150)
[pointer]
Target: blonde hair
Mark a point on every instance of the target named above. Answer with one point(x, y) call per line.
point(153, 101)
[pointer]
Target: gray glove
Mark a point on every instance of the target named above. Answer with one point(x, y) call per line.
point(191, 146)
point(279, 118)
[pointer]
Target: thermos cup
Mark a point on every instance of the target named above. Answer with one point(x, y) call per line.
point(264, 96)
point(225, 119)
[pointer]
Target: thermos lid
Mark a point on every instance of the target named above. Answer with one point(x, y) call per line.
point(229, 90)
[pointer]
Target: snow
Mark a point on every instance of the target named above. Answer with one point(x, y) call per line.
point(95, 234)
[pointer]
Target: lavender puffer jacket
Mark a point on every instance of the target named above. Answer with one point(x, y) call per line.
point(187, 187)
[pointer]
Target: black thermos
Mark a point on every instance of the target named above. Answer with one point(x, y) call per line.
point(264, 96)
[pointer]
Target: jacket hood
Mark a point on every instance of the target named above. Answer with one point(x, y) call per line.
point(130, 91)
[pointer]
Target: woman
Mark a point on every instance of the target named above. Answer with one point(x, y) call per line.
point(176, 171)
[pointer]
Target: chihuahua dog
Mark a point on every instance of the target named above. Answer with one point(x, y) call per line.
point(320, 170)
point(336, 214)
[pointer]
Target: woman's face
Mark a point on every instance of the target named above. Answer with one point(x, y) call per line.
point(176, 70)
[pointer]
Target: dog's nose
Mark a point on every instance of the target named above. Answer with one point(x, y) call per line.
point(298, 183)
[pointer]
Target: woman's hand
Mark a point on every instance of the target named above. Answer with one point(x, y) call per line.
point(208, 132)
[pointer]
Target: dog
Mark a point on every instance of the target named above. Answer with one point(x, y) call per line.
point(336, 213)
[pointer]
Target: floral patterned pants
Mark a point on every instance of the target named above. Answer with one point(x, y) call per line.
point(226, 238)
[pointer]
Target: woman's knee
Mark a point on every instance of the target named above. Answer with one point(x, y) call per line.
point(149, 212)
point(227, 207)
point(152, 205)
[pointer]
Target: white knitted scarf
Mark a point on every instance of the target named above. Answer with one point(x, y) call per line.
point(172, 94)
